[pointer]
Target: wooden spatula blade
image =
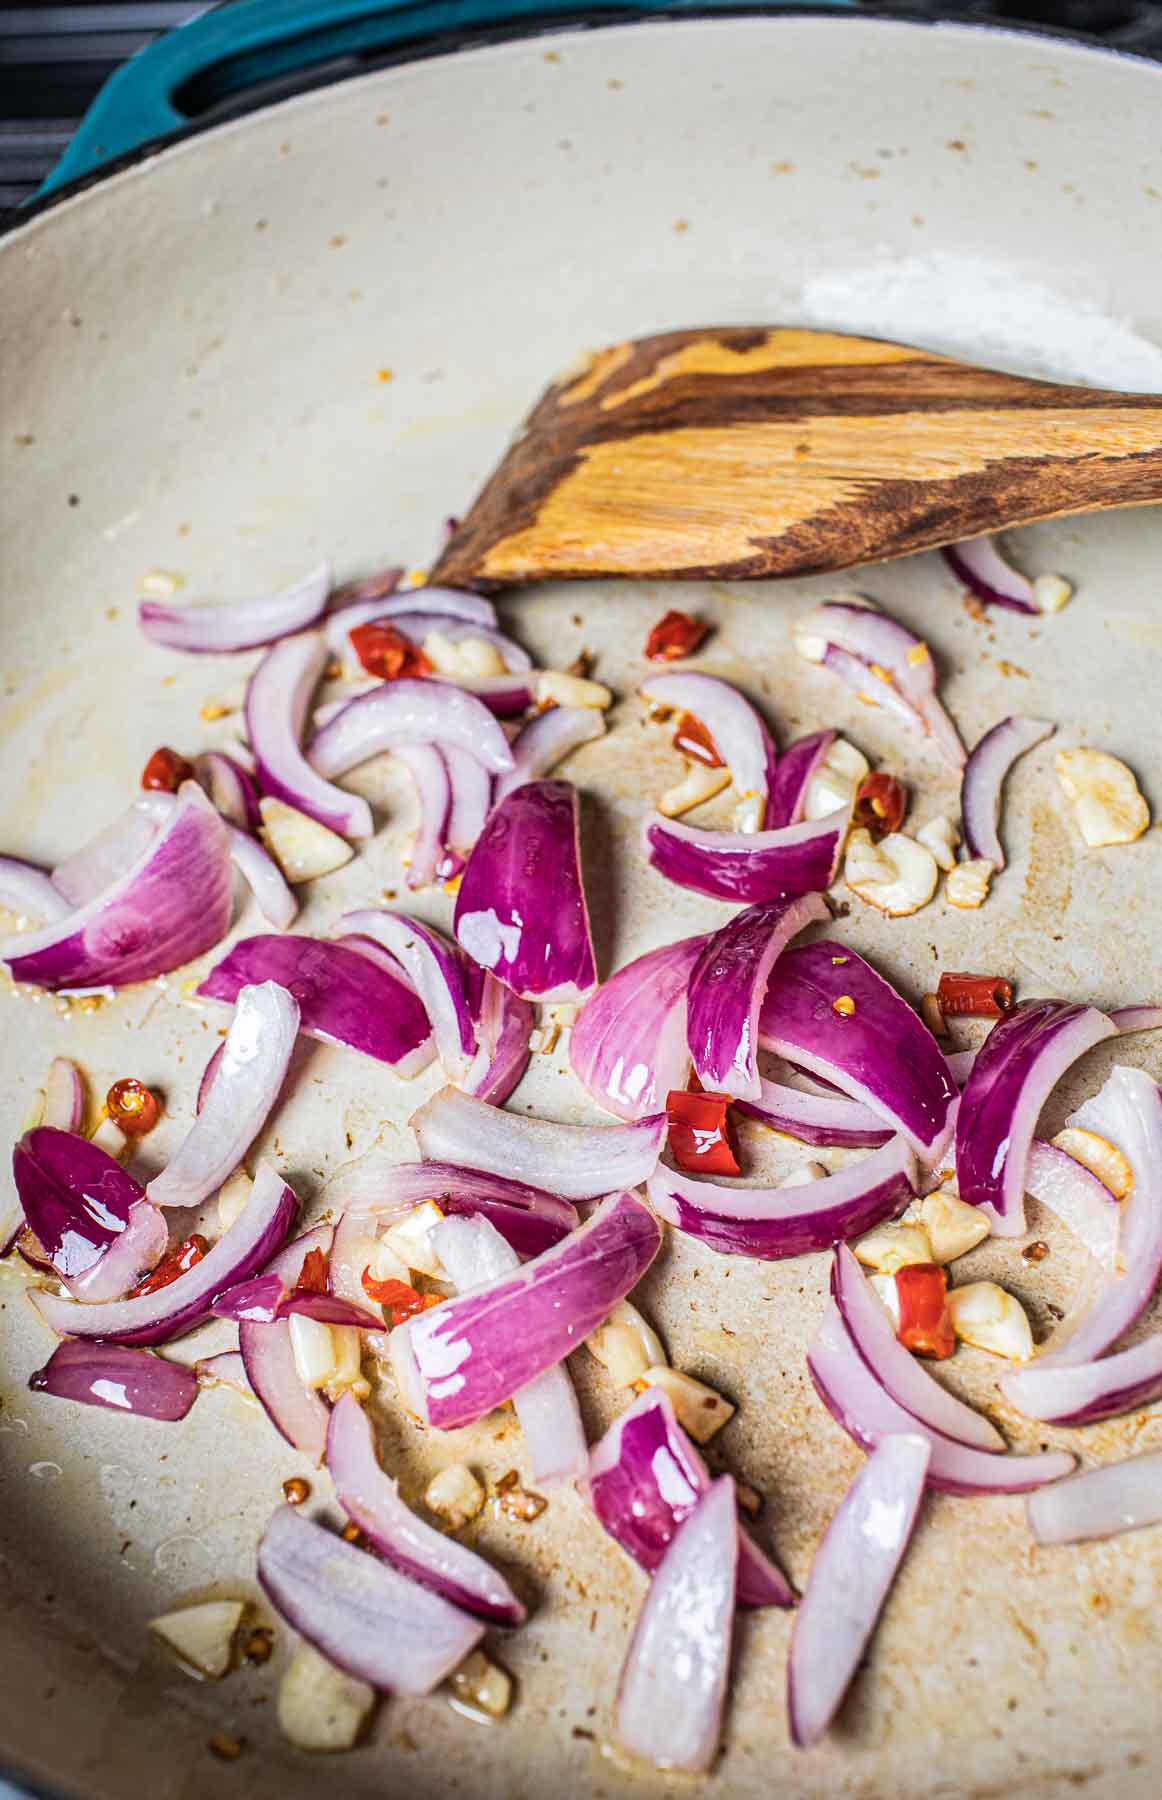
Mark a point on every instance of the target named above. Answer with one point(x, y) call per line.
point(735, 452)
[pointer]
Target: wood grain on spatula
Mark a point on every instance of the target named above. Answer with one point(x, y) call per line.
point(738, 452)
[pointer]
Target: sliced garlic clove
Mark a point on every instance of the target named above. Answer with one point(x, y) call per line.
point(411, 1242)
point(889, 1293)
point(891, 1247)
point(202, 1636)
point(750, 813)
point(466, 657)
point(967, 885)
point(302, 848)
point(455, 1494)
point(954, 1228)
point(699, 1410)
point(232, 1198)
point(1107, 804)
point(481, 1687)
point(314, 1350)
point(699, 783)
point(836, 781)
point(571, 690)
point(897, 875)
point(987, 1317)
point(1051, 593)
point(941, 837)
point(1101, 1157)
point(627, 1345)
point(319, 1706)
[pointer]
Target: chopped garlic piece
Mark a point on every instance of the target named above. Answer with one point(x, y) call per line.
point(700, 1411)
point(302, 848)
point(110, 1138)
point(1051, 593)
point(941, 837)
point(627, 1345)
point(836, 781)
point(314, 1350)
point(319, 1706)
point(698, 784)
point(750, 813)
point(570, 690)
point(202, 1636)
point(898, 875)
point(889, 1293)
point(232, 1198)
point(891, 1247)
point(159, 584)
point(954, 1228)
point(804, 1174)
point(347, 1370)
point(466, 657)
point(377, 1255)
point(455, 1494)
point(987, 1317)
point(1106, 801)
point(967, 885)
point(811, 649)
point(480, 1686)
point(1104, 1159)
point(411, 1243)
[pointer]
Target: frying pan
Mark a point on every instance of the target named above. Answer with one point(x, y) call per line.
point(195, 380)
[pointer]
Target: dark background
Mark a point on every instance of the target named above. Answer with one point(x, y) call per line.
point(54, 57)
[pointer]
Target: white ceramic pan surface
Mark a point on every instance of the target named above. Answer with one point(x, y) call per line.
point(191, 382)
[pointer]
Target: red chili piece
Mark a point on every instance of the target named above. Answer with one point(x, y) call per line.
point(166, 770)
point(975, 996)
point(880, 804)
point(925, 1322)
point(132, 1106)
point(175, 1262)
point(693, 740)
point(385, 652)
point(699, 1136)
point(313, 1276)
point(674, 636)
point(402, 1299)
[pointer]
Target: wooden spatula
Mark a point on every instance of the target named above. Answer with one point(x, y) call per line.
point(736, 452)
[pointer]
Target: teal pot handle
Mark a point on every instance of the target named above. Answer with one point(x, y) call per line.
point(170, 84)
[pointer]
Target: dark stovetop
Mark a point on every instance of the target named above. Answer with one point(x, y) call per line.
point(53, 59)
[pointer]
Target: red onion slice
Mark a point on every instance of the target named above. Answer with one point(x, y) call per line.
point(504, 1025)
point(440, 974)
point(1020, 1063)
point(276, 711)
point(530, 1219)
point(447, 603)
point(64, 1096)
point(748, 867)
point(505, 696)
point(227, 1369)
point(241, 626)
point(872, 686)
point(230, 788)
point(1137, 1018)
point(360, 1613)
point(520, 909)
point(94, 868)
point(876, 1050)
point(429, 770)
point(264, 878)
point(984, 571)
point(673, 1683)
point(645, 1476)
point(1077, 1197)
point(122, 1380)
point(29, 891)
point(186, 1301)
point(1084, 1393)
point(867, 1412)
point(907, 1381)
point(471, 800)
point(246, 1085)
point(771, 1223)
point(75, 1197)
point(984, 774)
point(820, 1119)
point(468, 1355)
point(410, 710)
point(1128, 1111)
point(740, 736)
point(727, 986)
point(474, 1252)
point(628, 1044)
point(798, 763)
point(851, 1576)
point(296, 1412)
point(344, 996)
point(138, 1249)
point(577, 1161)
point(264, 1300)
point(547, 740)
point(169, 907)
point(1099, 1503)
point(893, 657)
point(370, 1498)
